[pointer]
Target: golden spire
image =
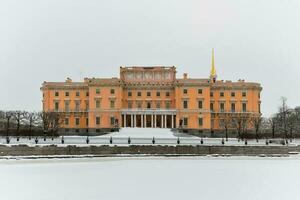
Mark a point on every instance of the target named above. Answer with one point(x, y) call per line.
point(213, 72)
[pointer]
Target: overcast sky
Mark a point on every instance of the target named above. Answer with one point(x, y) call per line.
point(50, 40)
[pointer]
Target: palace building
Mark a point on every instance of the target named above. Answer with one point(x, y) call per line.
point(149, 97)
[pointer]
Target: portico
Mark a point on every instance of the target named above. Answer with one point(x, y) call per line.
point(148, 118)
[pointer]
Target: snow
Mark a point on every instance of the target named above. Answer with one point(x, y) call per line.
point(207, 178)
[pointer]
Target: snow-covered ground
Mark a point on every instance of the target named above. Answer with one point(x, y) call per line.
point(206, 178)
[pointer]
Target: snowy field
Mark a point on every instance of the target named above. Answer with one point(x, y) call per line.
point(138, 136)
point(242, 178)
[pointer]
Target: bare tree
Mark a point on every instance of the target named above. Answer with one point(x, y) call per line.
point(18, 117)
point(225, 119)
point(283, 116)
point(240, 121)
point(256, 120)
point(31, 119)
point(51, 121)
point(8, 115)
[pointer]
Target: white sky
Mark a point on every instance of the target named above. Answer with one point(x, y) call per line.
point(51, 40)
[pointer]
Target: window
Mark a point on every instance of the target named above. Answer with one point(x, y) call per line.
point(167, 104)
point(200, 104)
point(211, 94)
point(199, 91)
point(139, 93)
point(139, 104)
point(87, 94)
point(97, 103)
point(244, 105)
point(232, 107)
point(185, 104)
point(221, 94)
point(129, 104)
point(211, 106)
point(112, 104)
point(222, 107)
point(67, 94)
point(56, 94)
point(200, 121)
point(148, 105)
point(112, 91)
point(77, 105)
point(129, 93)
point(185, 91)
point(77, 121)
point(148, 94)
point(167, 94)
point(97, 120)
point(77, 94)
point(112, 120)
point(66, 121)
point(86, 121)
point(158, 105)
point(232, 94)
point(97, 90)
point(259, 95)
point(67, 105)
point(244, 94)
point(56, 106)
point(158, 94)
point(87, 105)
point(185, 121)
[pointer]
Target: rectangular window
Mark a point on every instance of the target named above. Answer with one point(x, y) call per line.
point(67, 94)
point(56, 106)
point(97, 120)
point(87, 105)
point(158, 105)
point(199, 91)
point(129, 104)
point(66, 121)
point(200, 104)
point(77, 121)
point(112, 121)
point(77, 105)
point(112, 104)
point(97, 103)
point(185, 121)
point(112, 91)
point(148, 94)
point(77, 94)
point(211, 106)
point(185, 91)
point(211, 94)
point(232, 94)
point(67, 105)
point(232, 107)
point(56, 94)
point(97, 90)
point(129, 93)
point(158, 94)
point(87, 94)
point(148, 105)
point(139, 93)
point(185, 104)
point(168, 105)
point(244, 94)
point(244, 105)
point(221, 94)
point(200, 121)
point(167, 94)
point(222, 107)
point(87, 121)
point(139, 104)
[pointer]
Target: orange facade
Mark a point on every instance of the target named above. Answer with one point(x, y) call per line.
point(148, 97)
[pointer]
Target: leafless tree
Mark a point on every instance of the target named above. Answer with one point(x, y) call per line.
point(256, 121)
point(225, 119)
point(240, 121)
point(18, 117)
point(31, 119)
point(51, 121)
point(283, 116)
point(8, 116)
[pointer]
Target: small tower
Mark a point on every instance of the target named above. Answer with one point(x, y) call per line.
point(213, 72)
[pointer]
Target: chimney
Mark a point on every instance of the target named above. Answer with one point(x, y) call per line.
point(69, 80)
point(184, 75)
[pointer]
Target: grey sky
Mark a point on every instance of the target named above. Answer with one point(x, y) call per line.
point(51, 40)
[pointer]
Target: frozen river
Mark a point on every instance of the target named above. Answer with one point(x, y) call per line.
point(233, 178)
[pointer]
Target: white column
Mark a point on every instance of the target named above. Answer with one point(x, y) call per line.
point(165, 121)
point(172, 124)
point(151, 121)
point(134, 120)
point(131, 120)
point(155, 121)
point(125, 120)
point(145, 120)
point(162, 121)
point(142, 121)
